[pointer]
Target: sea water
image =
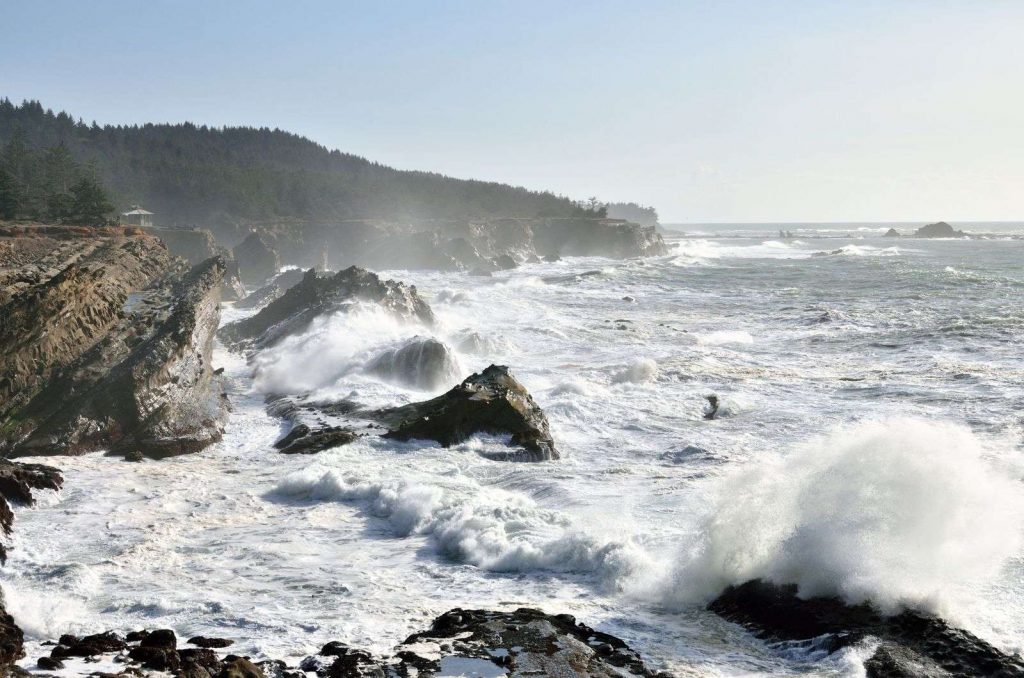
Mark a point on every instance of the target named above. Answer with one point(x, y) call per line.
point(868, 444)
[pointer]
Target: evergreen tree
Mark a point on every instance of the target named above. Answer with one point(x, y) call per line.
point(89, 204)
point(10, 195)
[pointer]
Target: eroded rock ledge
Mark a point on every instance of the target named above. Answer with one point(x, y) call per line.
point(911, 644)
point(107, 345)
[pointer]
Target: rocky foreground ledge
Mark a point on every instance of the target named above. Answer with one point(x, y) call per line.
point(910, 644)
point(490, 644)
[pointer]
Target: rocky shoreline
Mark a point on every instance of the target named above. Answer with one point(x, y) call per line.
point(107, 345)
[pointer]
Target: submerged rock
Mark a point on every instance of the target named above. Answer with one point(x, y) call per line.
point(492, 401)
point(304, 440)
point(938, 230)
point(423, 363)
point(317, 295)
point(911, 643)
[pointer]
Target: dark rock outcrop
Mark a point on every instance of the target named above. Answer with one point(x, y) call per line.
point(302, 439)
point(938, 230)
point(524, 642)
point(16, 484)
point(423, 363)
point(317, 295)
point(911, 643)
point(892, 233)
point(12, 639)
point(278, 285)
point(257, 260)
point(492, 401)
point(145, 386)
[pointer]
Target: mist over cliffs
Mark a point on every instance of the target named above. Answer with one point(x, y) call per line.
point(222, 178)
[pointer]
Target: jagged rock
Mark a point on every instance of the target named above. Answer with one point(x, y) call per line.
point(156, 658)
point(912, 642)
point(278, 285)
point(12, 640)
point(164, 638)
point(492, 401)
point(88, 646)
point(59, 306)
point(892, 233)
point(938, 230)
point(505, 262)
point(257, 260)
point(318, 295)
point(194, 245)
point(49, 664)
point(303, 440)
point(147, 386)
point(423, 363)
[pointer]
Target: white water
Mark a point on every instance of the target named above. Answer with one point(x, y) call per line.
point(869, 446)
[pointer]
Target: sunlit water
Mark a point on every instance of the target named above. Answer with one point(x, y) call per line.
point(871, 448)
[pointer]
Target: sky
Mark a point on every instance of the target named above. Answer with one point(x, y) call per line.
point(714, 111)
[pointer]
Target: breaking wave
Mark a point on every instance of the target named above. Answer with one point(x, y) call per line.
point(901, 512)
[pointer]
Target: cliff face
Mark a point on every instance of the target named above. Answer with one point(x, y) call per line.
point(456, 245)
point(106, 345)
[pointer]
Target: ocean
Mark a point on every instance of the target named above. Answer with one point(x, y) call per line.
point(868, 444)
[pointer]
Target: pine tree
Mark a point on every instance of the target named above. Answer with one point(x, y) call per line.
point(10, 196)
point(89, 203)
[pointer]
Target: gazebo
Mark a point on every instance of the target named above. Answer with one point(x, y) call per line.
point(137, 216)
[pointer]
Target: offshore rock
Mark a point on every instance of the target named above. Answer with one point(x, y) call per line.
point(146, 386)
point(257, 260)
point(912, 643)
point(318, 295)
point(492, 401)
point(422, 363)
point(304, 440)
point(938, 230)
point(12, 640)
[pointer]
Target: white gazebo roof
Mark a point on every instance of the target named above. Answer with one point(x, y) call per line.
point(136, 211)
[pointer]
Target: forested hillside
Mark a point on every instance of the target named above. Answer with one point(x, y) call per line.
point(223, 177)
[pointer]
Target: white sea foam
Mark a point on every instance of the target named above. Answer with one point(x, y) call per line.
point(724, 337)
point(486, 527)
point(898, 512)
point(637, 372)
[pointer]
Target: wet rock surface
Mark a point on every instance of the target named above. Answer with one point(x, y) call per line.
point(524, 642)
point(304, 440)
point(492, 401)
point(911, 643)
point(317, 295)
point(17, 482)
point(142, 382)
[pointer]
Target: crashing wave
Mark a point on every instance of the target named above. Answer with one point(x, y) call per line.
point(423, 363)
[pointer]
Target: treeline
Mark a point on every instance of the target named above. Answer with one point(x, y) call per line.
point(224, 177)
point(49, 185)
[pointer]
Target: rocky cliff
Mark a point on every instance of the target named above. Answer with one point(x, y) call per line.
point(107, 345)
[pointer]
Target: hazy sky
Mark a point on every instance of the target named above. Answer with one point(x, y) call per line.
point(710, 111)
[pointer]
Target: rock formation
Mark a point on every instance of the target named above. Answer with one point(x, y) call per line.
point(525, 642)
point(257, 260)
point(892, 233)
point(423, 363)
point(109, 348)
point(278, 285)
point(456, 245)
point(492, 401)
point(317, 295)
point(938, 230)
point(913, 644)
